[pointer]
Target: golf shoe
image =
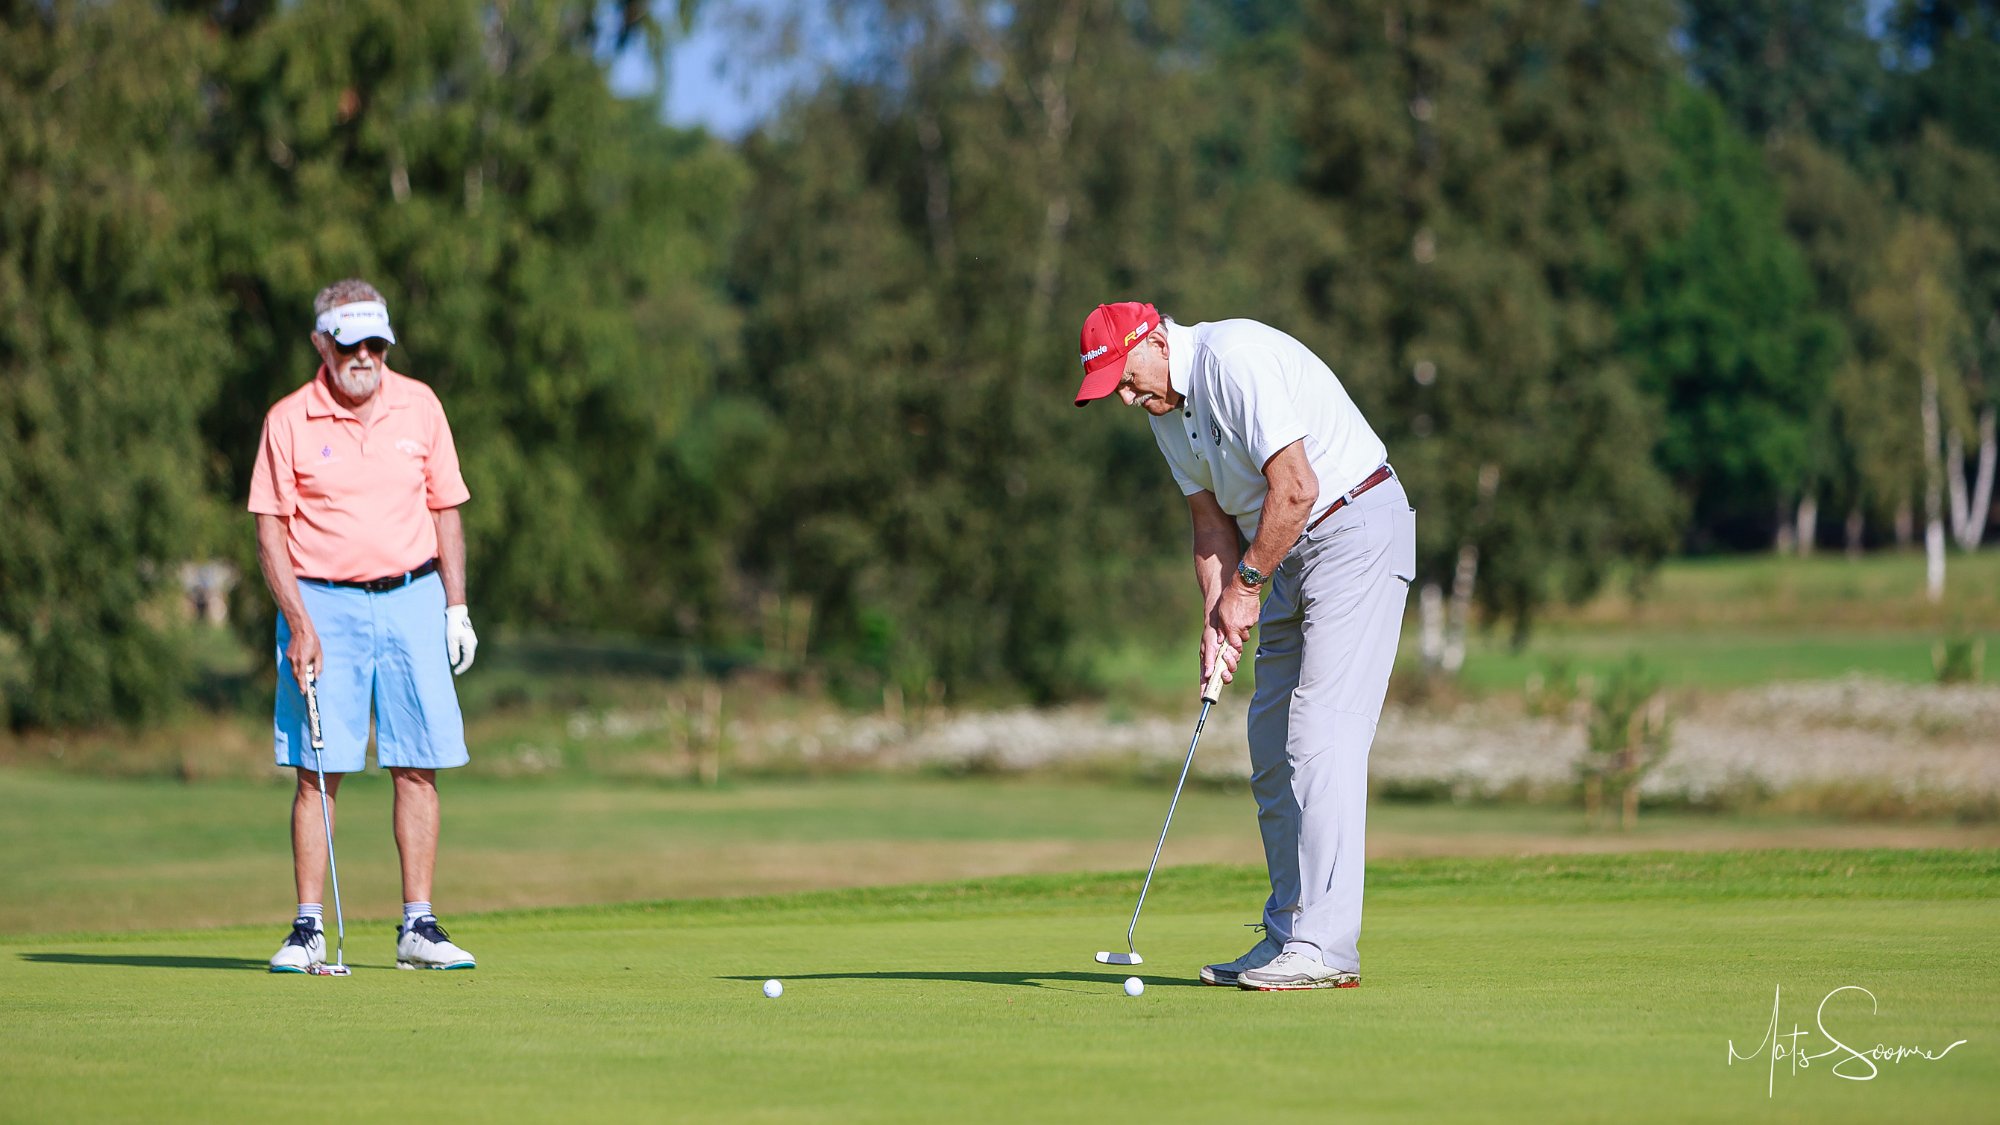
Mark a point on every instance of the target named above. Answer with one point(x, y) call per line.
point(1292, 971)
point(423, 944)
point(1260, 955)
point(304, 947)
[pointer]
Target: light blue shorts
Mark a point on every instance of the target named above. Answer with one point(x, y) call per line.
point(384, 652)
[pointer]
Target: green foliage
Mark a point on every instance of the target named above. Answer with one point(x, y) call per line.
point(1949, 52)
point(1628, 734)
point(1959, 658)
point(1958, 187)
point(1495, 173)
point(1554, 688)
point(1723, 329)
point(822, 377)
point(1839, 222)
point(1807, 68)
point(1913, 312)
point(550, 253)
point(180, 187)
point(929, 235)
point(109, 346)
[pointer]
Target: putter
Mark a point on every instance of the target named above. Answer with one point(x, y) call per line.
point(1210, 692)
point(339, 967)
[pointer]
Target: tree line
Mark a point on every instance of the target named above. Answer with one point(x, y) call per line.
point(1612, 280)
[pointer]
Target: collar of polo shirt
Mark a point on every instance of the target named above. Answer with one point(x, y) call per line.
point(1180, 359)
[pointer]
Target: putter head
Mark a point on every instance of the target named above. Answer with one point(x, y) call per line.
point(1120, 959)
point(330, 971)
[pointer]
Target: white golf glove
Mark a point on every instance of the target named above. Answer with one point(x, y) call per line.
point(460, 642)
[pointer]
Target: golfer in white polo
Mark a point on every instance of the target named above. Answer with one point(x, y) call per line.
point(1271, 452)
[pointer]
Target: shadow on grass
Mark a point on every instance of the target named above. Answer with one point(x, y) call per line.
point(145, 961)
point(1054, 979)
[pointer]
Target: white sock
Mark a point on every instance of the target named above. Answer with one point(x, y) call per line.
point(413, 911)
point(314, 911)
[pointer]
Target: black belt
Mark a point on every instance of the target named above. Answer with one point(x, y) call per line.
point(377, 585)
point(1342, 501)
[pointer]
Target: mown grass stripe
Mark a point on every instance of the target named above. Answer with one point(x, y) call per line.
point(1875, 874)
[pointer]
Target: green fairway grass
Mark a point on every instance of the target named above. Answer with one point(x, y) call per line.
point(1577, 989)
point(1742, 621)
point(89, 853)
point(1885, 589)
point(1716, 658)
point(1719, 623)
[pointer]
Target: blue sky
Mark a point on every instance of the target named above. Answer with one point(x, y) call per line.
point(715, 78)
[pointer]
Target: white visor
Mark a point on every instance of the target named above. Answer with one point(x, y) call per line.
point(351, 324)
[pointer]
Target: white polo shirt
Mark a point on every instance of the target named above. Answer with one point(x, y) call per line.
point(1251, 391)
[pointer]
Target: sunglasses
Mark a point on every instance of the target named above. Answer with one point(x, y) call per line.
point(375, 344)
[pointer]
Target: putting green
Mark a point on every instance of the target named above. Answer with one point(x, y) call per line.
point(1575, 988)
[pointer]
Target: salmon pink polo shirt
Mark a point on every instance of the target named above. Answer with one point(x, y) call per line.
point(358, 498)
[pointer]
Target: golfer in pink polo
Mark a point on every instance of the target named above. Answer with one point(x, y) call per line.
point(356, 493)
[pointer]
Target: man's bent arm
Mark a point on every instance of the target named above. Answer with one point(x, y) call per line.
point(1292, 488)
point(451, 554)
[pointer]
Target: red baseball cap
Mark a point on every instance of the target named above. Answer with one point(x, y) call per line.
point(1108, 335)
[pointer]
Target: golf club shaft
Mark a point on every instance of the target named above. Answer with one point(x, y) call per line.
point(1210, 692)
point(1175, 803)
point(326, 818)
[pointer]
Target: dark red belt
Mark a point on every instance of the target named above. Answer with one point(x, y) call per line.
point(378, 585)
point(1374, 478)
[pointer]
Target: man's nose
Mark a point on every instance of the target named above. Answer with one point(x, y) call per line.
point(1127, 396)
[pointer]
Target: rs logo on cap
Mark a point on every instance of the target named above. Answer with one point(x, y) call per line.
point(1136, 333)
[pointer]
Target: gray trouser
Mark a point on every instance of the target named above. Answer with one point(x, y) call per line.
point(1325, 644)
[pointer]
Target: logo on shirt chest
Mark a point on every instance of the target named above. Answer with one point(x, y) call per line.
point(1215, 431)
point(411, 448)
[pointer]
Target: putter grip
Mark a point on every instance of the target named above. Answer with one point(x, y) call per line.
point(1212, 690)
point(312, 712)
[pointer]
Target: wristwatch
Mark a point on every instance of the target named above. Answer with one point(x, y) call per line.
point(1251, 576)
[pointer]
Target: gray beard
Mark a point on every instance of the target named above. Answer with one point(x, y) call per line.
point(358, 387)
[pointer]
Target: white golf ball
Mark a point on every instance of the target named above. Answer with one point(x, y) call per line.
point(1134, 986)
point(773, 989)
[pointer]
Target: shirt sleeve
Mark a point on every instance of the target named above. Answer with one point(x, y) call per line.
point(273, 485)
point(444, 487)
point(1254, 401)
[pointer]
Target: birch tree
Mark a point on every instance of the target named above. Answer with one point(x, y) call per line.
point(1915, 313)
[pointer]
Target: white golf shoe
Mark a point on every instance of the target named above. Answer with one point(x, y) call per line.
point(1292, 971)
point(304, 947)
point(1260, 955)
point(423, 944)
